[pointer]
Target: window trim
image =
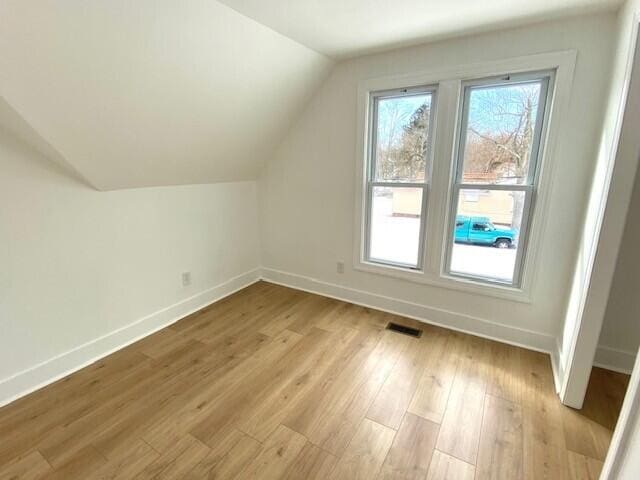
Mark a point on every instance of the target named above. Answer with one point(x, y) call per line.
point(371, 182)
point(531, 185)
point(449, 79)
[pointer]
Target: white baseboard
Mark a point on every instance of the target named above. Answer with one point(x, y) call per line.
point(615, 359)
point(606, 357)
point(435, 316)
point(53, 369)
point(42, 374)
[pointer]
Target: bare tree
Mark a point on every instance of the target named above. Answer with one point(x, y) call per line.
point(387, 138)
point(402, 146)
point(500, 137)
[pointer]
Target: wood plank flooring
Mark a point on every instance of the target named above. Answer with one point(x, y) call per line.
point(274, 383)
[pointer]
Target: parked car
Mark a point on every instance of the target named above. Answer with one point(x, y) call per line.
point(480, 230)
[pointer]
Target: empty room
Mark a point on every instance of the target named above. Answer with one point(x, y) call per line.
point(304, 239)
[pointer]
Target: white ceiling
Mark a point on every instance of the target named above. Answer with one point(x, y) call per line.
point(13, 124)
point(162, 92)
point(343, 28)
point(151, 92)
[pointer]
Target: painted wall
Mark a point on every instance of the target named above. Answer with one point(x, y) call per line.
point(105, 267)
point(123, 89)
point(307, 190)
point(603, 227)
point(620, 334)
point(77, 265)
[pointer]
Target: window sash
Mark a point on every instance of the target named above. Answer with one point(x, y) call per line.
point(467, 87)
point(523, 236)
point(421, 231)
point(375, 98)
point(371, 182)
point(529, 187)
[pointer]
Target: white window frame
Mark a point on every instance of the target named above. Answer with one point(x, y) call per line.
point(449, 81)
point(529, 188)
point(371, 183)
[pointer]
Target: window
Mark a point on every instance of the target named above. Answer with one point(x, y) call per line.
point(455, 173)
point(500, 129)
point(398, 176)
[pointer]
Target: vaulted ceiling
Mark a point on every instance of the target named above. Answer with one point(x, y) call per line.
point(134, 93)
point(152, 92)
point(346, 28)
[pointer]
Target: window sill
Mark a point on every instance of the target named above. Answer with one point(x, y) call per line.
point(445, 281)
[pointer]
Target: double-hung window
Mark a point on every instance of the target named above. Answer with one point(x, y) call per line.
point(400, 126)
point(498, 146)
point(472, 170)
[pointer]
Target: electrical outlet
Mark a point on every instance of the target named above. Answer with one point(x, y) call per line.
point(186, 279)
point(340, 267)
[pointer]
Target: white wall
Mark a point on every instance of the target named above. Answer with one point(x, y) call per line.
point(121, 88)
point(83, 272)
point(77, 265)
point(620, 336)
point(307, 191)
point(604, 220)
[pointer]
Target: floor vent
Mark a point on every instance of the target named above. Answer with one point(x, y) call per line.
point(413, 332)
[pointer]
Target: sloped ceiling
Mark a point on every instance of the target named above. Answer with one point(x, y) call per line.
point(13, 124)
point(151, 92)
point(346, 28)
point(135, 93)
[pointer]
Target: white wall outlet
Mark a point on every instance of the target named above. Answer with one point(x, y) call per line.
point(340, 267)
point(186, 279)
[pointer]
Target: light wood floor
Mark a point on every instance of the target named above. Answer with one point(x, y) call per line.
point(276, 383)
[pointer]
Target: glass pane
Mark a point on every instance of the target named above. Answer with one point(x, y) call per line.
point(500, 133)
point(486, 233)
point(402, 128)
point(395, 225)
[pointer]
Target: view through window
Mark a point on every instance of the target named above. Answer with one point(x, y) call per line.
point(398, 176)
point(494, 177)
point(501, 126)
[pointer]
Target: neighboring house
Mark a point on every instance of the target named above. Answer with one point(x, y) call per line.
point(497, 205)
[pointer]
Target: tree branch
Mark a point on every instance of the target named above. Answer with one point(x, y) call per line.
point(496, 143)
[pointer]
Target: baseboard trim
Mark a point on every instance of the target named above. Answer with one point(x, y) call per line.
point(615, 359)
point(434, 316)
point(53, 369)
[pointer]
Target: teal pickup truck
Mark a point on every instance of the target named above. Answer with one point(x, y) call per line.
point(480, 230)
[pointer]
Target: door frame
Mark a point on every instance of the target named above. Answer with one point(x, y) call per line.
point(629, 414)
point(600, 261)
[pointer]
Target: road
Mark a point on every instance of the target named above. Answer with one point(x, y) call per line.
point(396, 239)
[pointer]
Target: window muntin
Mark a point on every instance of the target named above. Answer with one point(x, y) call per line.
point(399, 158)
point(500, 129)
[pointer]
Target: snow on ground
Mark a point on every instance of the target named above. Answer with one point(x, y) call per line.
point(483, 261)
point(395, 239)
